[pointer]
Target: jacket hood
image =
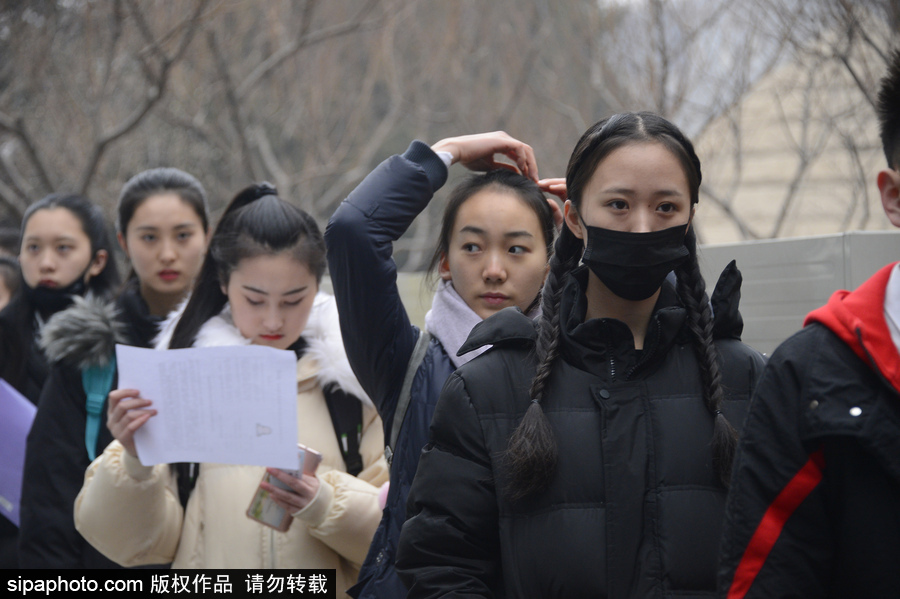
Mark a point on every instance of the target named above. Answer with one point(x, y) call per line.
point(85, 334)
point(857, 318)
point(322, 336)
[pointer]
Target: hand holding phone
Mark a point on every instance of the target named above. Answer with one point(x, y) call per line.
point(282, 493)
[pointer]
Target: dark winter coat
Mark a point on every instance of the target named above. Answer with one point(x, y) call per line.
point(634, 508)
point(378, 336)
point(22, 365)
point(56, 457)
point(814, 509)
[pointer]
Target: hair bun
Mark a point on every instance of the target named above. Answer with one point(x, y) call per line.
point(264, 189)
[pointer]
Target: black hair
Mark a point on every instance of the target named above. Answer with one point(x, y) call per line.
point(256, 222)
point(158, 181)
point(94, 225)
point(10, 274)
point(889, 111)
point(532, 450)
point(502, 180)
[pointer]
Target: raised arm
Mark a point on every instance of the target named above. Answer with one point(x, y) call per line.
point(360, 235)
point(378, 336)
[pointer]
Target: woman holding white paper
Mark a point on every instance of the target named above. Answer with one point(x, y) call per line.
point(258, 285)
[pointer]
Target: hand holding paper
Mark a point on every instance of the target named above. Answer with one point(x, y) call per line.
point(126, 413)
point(231, 405)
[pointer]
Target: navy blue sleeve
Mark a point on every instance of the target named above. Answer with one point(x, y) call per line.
point(378, 335)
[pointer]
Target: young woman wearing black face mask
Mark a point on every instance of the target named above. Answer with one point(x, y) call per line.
point(64, 251)
point(588, 456)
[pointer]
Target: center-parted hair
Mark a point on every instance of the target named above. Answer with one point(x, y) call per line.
point(532, 451)
point(256, 223)
point(500, 180)
point(160, 181)
point(94, 225)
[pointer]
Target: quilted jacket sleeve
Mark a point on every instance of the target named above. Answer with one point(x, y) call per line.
point(345, 513)
point(378, 336)
point(450, 543)
point(128, 511)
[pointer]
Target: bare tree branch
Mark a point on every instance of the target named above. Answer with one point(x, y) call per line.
point(725, 206)
point(234, 107)
point(17, 128)
point(155, 93)
point(20, 183)
point(305, 40)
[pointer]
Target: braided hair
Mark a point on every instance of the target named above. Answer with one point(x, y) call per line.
point(532, 451)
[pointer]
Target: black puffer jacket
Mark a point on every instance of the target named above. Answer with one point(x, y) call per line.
point(56, 457)
point(634, 508)
point(814, 509)
point(22, 363)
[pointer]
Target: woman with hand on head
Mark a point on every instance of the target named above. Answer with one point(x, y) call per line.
point(492, 252)
point(588, 455)
point(65, 249)
point(258, 285)
point(163, 223)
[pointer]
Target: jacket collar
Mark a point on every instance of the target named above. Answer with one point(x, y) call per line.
point(84, 334)
point(587, 345)
point(857, 318)
point(508, 326)
point(599, 343)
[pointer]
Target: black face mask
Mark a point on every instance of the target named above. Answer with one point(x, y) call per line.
point(634, 265)
point(49, 301)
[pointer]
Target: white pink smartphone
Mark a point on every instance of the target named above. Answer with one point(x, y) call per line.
point(264, 510)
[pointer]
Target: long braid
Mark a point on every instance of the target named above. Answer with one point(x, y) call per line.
point(532, 451)
point(692, 290)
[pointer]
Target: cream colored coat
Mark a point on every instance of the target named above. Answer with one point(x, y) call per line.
point(131, 513)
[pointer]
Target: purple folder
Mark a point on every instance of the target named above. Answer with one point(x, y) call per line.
point(16, 416)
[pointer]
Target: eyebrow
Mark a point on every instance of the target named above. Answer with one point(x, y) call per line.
point(260, 291)
point(630, 192)
point(482, 232)
point(55, 239)
point(155, 228)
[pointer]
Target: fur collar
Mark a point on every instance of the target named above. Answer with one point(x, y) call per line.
point(84, 334)
point(322, 335)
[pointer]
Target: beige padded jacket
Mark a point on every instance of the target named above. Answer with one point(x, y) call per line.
point(131, 513)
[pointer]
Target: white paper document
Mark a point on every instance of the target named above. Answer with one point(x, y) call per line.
point(228, 405)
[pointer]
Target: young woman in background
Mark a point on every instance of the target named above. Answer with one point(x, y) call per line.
point(65, 252)
point(163, 223)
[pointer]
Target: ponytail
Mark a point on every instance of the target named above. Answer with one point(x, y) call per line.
point(207, 298)
point(692, 290)
point(256, 222)
point(532, 451)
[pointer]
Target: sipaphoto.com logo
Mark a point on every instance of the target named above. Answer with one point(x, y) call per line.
point(60, 584)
